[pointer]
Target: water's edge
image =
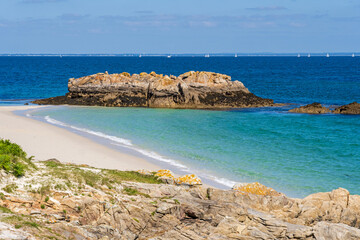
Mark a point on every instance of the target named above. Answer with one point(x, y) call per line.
point(125, 146)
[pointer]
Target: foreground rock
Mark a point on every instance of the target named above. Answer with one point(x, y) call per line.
point(314, 108)
point(352, 108)
point(188, 90)
point(64, 201)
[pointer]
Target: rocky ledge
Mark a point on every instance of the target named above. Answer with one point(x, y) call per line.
point(317, 108)
point(54, 200)
point(352, 108)
point(314, 108)
point(188, 90)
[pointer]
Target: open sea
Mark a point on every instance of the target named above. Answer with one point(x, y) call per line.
point(297, 154)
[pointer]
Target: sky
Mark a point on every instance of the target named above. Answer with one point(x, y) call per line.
point(179, 26)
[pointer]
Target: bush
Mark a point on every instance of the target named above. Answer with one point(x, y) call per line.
point(7, 147)
point(5, 162)
point(19, 169)
point(13, 158)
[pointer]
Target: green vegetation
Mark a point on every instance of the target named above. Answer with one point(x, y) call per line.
point(19, 222)
point(131, 176)
point(10, 188)
point(75, 176)
point(13, 158)
point(5, 210)
point(133, 192)
point(47, 198)
point(42, 206)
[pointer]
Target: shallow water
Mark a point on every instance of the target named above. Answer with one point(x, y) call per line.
point(293, 153)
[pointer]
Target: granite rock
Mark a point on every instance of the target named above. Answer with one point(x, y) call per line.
point(188, 90)
point(313, 108)
point(352, 108)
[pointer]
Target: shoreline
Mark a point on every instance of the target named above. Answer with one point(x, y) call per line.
point(70, 145)
point(46, 141)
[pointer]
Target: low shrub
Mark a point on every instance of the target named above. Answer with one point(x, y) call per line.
point(13, 158)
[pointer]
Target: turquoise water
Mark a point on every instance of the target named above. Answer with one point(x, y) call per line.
point(297, 154)
point(293, 153)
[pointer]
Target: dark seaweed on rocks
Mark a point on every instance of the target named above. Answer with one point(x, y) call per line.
point(189, 90)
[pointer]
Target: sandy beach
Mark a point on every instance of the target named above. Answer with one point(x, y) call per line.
point(45, 141)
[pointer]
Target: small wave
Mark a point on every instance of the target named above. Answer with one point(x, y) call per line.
point(99, 134)
point(158, 157)
point(56, 122)
point(223, 181)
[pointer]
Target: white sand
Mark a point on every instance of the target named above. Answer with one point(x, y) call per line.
point(45, 141)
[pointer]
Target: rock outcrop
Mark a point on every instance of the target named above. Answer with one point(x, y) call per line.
point(66, 201)
point(313, 108)
point(317, 108)
point(188, 90)
point(352, 108)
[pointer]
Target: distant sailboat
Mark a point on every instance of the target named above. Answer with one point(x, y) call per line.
point(353, 55)
point(309, 55)
point(327, 55)
point(299, 55)
point(207, 55)
point(169, 56)
point(140, 56)
point(235, 55)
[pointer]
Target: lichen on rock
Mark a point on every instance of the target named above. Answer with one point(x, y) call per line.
point(188, 90)
point(255, 188)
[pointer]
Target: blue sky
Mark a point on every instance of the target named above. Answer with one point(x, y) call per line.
point(179, 26)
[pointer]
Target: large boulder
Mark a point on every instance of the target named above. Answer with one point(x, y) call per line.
point(188, 90)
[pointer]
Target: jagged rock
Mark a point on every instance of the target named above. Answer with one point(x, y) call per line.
point(313, 108)
point(188, 90)
point(9, 232)
point(163, 211)
point(255, 188)
point(332, 231)
point(352, 108)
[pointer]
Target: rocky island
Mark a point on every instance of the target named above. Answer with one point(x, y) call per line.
point(55, 200)
point(188, 90)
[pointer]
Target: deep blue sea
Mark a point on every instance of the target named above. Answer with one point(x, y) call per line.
point(297, 154)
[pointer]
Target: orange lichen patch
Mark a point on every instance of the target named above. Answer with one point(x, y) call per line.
point(164, 173)
point(143, 74)
point(190, 179)
point(126, 74)
point(166, 81)
point(255, 188)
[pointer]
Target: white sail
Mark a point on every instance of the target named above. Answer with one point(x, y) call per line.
point(327, 55)
point(235, 55)
point(207, 55)
point(169, 56)
point(299, 55)
point(309, 55)
point(353, 55)
point(140, 56)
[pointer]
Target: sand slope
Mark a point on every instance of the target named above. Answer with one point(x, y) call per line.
point(46, 141)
